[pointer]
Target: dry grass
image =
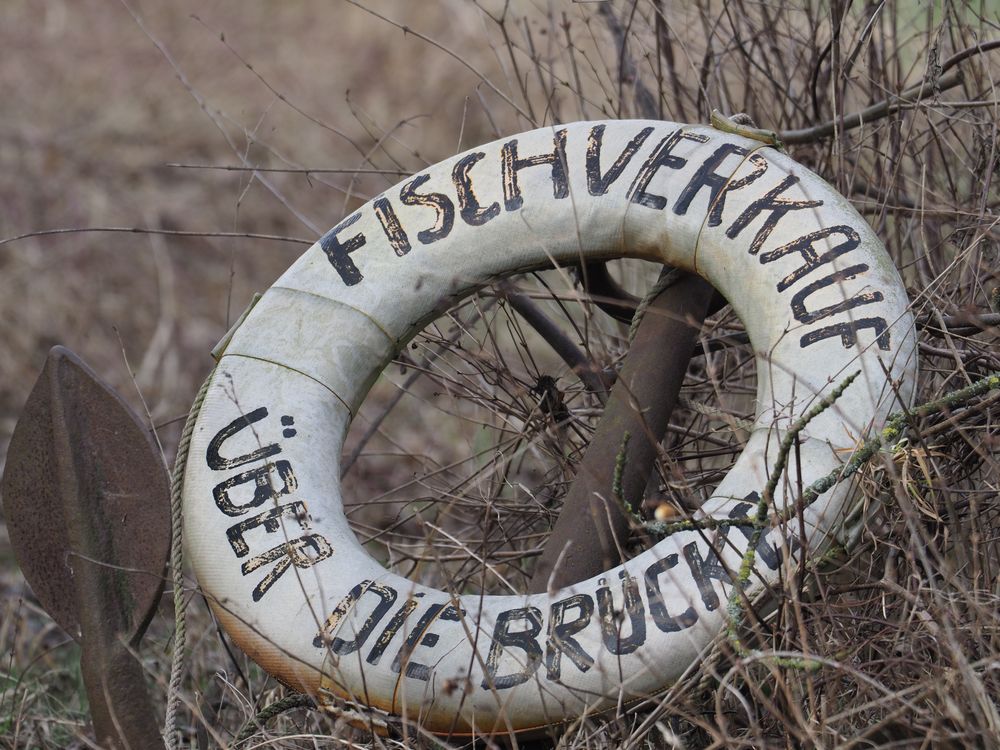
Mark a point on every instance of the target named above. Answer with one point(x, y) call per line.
point(902, 634)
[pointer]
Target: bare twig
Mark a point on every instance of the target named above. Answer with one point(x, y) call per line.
point(149, 230)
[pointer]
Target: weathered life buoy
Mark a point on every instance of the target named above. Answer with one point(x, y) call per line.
point(264, 521)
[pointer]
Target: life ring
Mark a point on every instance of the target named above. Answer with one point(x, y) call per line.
point(264, 522)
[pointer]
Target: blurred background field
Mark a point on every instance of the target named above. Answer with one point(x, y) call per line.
point(195, 123)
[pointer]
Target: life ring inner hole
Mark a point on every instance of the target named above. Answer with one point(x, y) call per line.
point(456, 466)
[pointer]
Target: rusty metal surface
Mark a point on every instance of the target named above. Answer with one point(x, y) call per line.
point(86, 498)
point(120, 707)
point(607, 293)
point(592, 527)
point(613, 300)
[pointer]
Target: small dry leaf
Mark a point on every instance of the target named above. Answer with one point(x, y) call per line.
point(665, 511)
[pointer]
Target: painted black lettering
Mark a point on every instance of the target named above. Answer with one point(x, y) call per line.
point(403, 655)
point(339, 253)
point(657, 606)
point(303, 552)
point(775, 207)
point(472, 213)
point(767, 552)
point(386, 597)
point(719, 185)
point(760, 167)
point(440, 202)
point(706, 177)
point(598, 184)
point(422, 637)
point(811, 316)
point(218, 462)
point(804, 246)
point(523, 640)
point(662, 156)
point(271, 520)
point(390, 225)
point(263, 487)
point(612, 619)
point(511, 163)
point(704, 570)
point(560, 637)
point(848, 333)
point(385, 638)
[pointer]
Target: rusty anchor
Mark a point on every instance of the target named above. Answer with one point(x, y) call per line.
point(86, 498)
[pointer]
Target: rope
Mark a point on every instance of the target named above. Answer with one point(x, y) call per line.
point(733, 423)
point(177, 570)
point(289, 702)
point(667, 278)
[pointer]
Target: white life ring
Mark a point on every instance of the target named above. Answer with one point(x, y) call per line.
point(263, 516)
